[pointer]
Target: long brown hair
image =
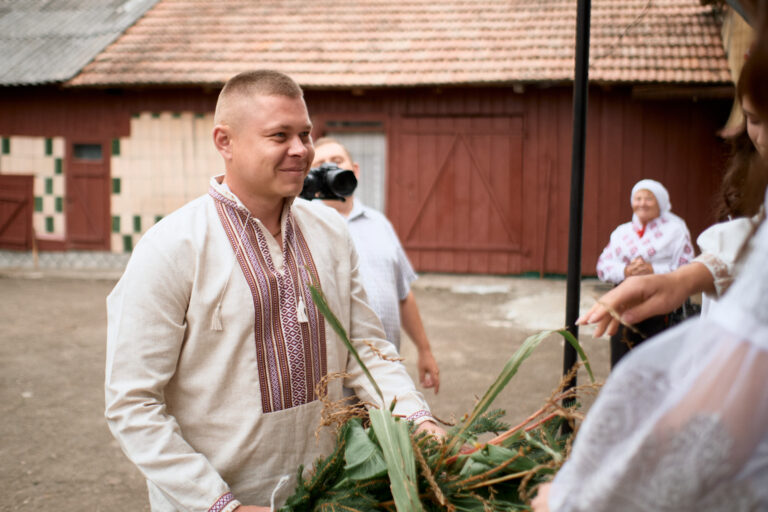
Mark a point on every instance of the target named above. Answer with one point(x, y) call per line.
point(745, 180)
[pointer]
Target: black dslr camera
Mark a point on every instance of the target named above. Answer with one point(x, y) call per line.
point(328, 182)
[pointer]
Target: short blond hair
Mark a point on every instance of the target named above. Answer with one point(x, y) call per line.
point(264, 82)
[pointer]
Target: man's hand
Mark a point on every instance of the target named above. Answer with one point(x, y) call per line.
point(429, 373)
point(541, 502)
point(641, 297)
point(433, 428)
point(251, 508)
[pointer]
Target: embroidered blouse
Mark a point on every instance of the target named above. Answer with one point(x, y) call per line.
point(664, 242)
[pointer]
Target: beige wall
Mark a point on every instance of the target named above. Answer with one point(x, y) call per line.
point(166, 162)
point(41, 157)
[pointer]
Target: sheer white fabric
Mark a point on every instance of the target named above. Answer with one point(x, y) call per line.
point(682, 423)
point(720, 245)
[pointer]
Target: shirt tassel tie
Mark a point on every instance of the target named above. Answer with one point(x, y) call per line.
point(216, 320)
point(301, 311)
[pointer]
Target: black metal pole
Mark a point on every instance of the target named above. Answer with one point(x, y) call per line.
point(580, 90)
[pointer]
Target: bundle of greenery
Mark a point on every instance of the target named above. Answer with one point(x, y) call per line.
point(387, 465)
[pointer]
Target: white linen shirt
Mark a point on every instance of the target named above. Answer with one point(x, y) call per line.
point(183, 396)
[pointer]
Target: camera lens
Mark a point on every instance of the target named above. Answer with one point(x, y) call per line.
point(342, 182)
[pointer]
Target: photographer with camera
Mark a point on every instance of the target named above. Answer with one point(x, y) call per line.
point(387, 274)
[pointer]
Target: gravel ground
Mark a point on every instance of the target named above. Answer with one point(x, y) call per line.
point(57, 453)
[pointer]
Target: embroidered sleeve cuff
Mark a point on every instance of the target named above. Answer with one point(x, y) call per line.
point(226, 503)
point(720, 270)
point(420, 417)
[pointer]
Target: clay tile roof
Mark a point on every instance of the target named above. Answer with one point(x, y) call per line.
point(374, 43)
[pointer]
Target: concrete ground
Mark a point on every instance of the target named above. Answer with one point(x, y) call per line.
point(56, 452)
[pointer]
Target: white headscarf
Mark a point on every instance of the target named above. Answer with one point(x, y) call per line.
point(658, 190)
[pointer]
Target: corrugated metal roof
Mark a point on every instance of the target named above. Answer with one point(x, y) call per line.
point(51, 41)
point(374, 43)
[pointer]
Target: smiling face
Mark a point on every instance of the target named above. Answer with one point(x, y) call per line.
point(645, 206)
point(267, 148)
point(757, 128)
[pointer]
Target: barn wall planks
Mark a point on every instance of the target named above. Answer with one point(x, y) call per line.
point(478, 177)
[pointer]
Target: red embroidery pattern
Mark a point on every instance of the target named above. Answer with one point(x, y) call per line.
point(291, 356)
point(418, 414)
point(221, 502)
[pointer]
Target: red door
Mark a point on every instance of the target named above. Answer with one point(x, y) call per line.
point(16, 196)
point(456, 193)
point(87, 195)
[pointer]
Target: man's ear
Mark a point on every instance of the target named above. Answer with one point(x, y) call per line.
point(223, 141)
point(356, 170)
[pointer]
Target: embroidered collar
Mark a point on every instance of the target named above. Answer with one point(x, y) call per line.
point(217, 184)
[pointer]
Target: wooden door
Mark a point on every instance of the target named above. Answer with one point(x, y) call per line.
point(16, 206)
point(87, 195)
point(456, 192)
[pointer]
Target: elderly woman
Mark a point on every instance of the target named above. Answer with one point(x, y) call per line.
point(656, 241)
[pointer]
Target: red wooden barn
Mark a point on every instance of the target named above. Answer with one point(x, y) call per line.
point(459, 112)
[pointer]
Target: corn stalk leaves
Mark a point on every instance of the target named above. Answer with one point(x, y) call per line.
point(490, 457)
point(322, 305)
point(509, 371)
point(363, 455)
point(395, 440)
point(577, 346)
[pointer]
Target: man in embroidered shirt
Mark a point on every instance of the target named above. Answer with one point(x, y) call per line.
point(387, 273)
point(214, 345)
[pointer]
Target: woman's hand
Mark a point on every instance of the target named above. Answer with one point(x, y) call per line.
point(638, 267)
point(541, 502)
point(641, 297)
point(634, 300)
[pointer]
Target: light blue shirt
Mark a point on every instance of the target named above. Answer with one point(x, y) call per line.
point(387, 274)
